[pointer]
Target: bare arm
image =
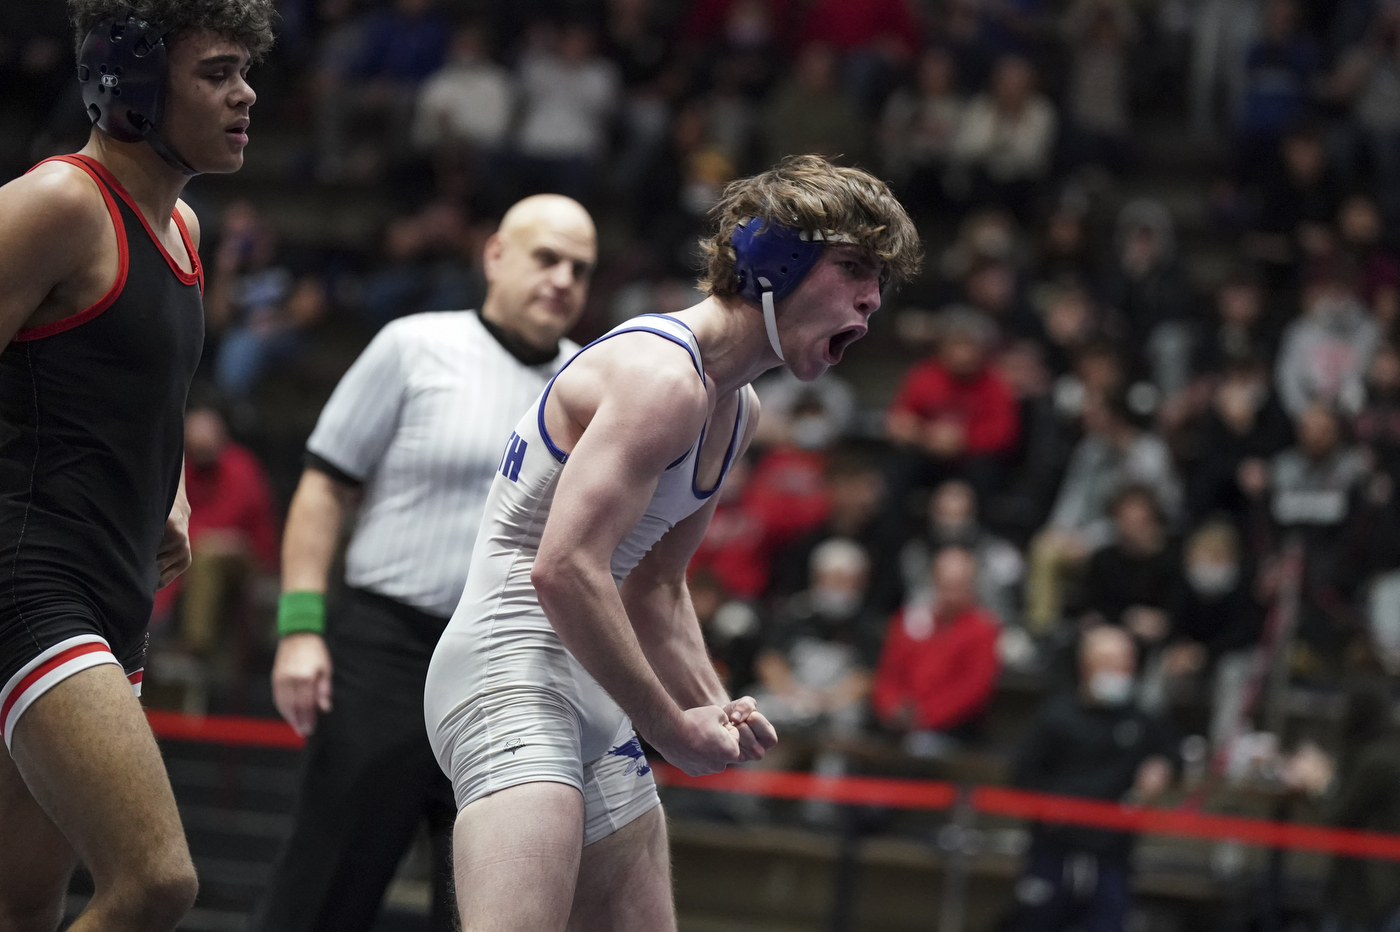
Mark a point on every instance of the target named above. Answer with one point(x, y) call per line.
point(174, 556)
point(301, 674)
point(58, 251)
point(644, 418)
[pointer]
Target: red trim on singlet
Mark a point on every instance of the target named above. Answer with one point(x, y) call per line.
point(47, 666)
point(87, 314)
point(135, 678)
point(196, 273)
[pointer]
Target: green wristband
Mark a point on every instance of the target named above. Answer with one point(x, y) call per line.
point(301, 612)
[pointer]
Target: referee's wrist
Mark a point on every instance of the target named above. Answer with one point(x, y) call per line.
point(301, 612)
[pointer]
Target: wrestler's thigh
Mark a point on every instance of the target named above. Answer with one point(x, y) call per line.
point(624, 880)
point(516, 855)
point(87, 754)
point(35, 860)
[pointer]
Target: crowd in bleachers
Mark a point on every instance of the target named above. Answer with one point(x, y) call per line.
point(1096, 407)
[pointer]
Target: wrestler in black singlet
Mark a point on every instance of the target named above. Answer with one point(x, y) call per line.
point(91, 445)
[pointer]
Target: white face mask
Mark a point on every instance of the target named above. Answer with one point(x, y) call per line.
point(812, 431)
point(1212, 580)
point(1110, 688)
point(835, 603)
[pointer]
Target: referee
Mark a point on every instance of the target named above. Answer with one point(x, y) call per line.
point(413, 435)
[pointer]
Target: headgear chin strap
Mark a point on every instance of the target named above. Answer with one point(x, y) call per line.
point(771, 260)
point(122, 68)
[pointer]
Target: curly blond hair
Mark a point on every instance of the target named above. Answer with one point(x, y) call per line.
point(807, 192)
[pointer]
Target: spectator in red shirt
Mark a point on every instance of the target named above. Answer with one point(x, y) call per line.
point(939, 665)
point(233, 526)
point(954, 415)
point(877, 38)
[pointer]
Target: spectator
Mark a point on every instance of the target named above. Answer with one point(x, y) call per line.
point(1130, 581)
point(814, 672)
point(233, 538)
point(1065, 256)
point(953, 522)
point(734, 549)
point(1280, 72)
point(939, 664)
point(918, 128)
point(877, 38)
point(855, 489)
point(1368, 78)
point(259, 308)
point(965, 33)
point(1325, 353)
point(1245, 424)
point(1224, 31)
point(464, 110)
point(1299, 200)
point(422, 267)
point(1216, 624)
point(1312, 490)
point(1377, 426)
point(953, 415)
point(677, 189)
point(1360, 789)
point(1362, 232)
point(992, 286)
point(1071, 324)
point(1148, 288)
point(1093, 743)
point(1241, 329)
point(395, 49)
point(808, 112)
point(732, 631)
point(1115, 451)
point(568, 97)
point(740, 22)
point(1100, 34)
point(1003, 148)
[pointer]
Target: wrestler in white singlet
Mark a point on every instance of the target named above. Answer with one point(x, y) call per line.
point(506, 703)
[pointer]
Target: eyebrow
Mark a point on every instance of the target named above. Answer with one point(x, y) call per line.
point(229, 59)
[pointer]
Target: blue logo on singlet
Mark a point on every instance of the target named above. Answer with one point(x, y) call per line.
point(514, 458)
point(632, 749)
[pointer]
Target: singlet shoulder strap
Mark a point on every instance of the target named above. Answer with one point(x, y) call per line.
point(123, 261)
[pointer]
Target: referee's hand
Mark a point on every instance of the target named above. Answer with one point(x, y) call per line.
point(301, 680)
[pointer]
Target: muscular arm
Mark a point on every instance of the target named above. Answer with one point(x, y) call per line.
point(644, 417)
point(58, 250)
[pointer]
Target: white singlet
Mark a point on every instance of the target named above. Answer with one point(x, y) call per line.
point(505, 702)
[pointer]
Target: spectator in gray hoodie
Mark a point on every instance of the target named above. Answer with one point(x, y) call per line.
point(1325, 353)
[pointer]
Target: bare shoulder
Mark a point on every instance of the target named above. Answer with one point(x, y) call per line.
point(191, 220)
point(649, 372)
point(55, 206)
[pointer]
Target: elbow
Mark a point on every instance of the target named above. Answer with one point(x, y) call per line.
point(559, 582)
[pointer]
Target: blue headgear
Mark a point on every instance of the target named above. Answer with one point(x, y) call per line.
point(771, 260)
point(122, 68)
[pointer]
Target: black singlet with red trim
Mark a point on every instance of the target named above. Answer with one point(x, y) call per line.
point(91, 444)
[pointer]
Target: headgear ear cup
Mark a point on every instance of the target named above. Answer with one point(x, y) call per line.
point(122, 68)
point(770, 261)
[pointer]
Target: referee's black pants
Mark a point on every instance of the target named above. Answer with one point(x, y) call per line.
point(368, 779)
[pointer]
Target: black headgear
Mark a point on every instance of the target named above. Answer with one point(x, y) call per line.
point(122, 68)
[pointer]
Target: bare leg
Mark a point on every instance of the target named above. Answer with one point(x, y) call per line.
point(89, 760)
point(517, 858)
point(624, 881)
point(35, 861)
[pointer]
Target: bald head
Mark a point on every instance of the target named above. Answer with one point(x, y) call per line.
point(538, 265)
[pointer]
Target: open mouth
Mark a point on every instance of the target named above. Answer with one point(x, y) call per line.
point(837, 344)
point(239, 131)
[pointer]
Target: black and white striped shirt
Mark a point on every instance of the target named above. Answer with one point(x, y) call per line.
point(421, 419)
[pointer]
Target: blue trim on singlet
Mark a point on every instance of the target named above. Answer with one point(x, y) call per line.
point(728, 454)
point(559, 454)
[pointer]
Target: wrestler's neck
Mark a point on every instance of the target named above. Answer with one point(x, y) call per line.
point(152, 184)
point(732, 341)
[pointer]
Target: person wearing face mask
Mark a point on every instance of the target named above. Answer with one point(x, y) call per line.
point(814, 671)
point(1093, 742)
point(939, 665)
point(1216, 621)
point(1325, 353)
